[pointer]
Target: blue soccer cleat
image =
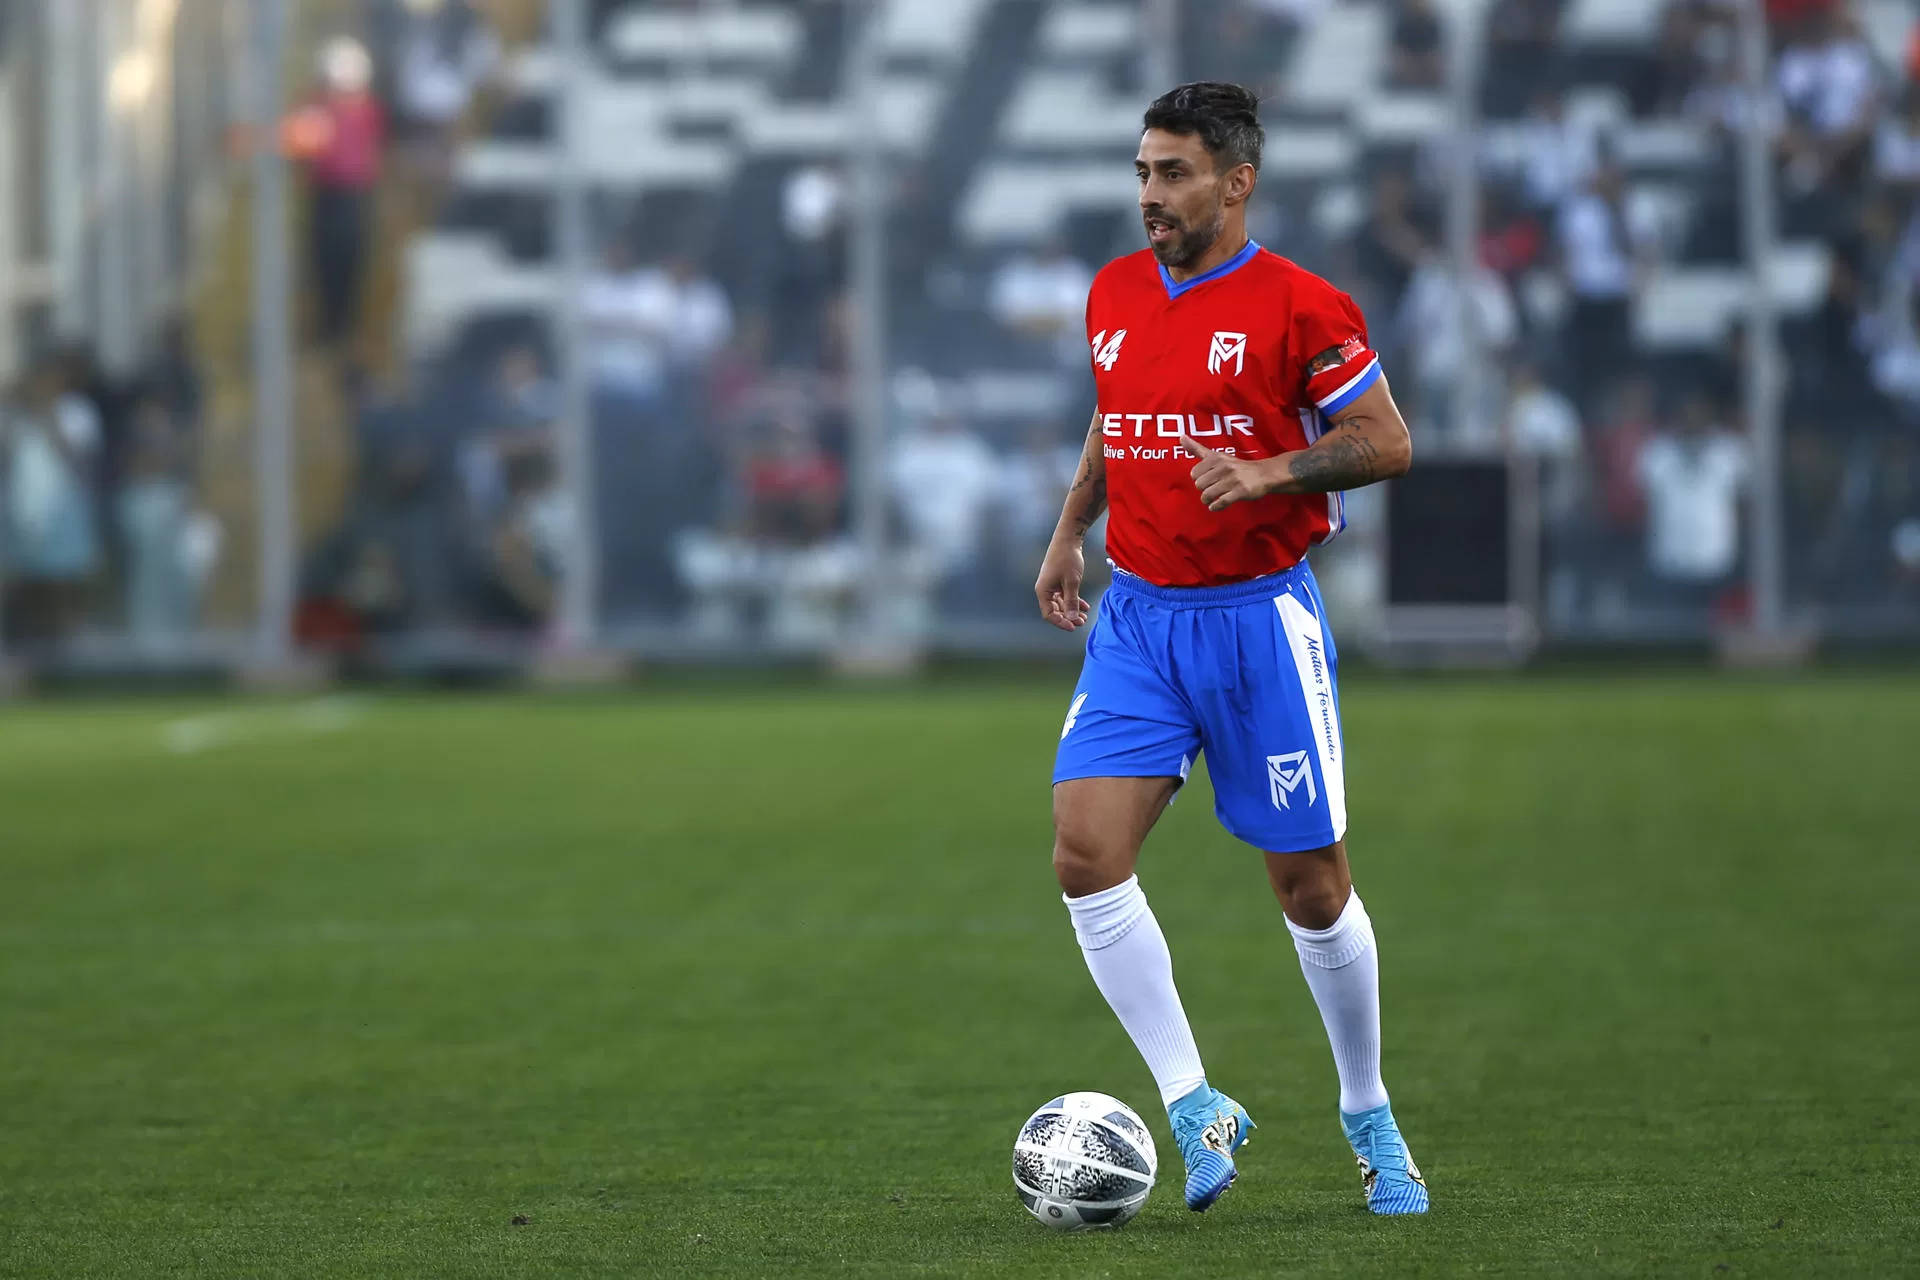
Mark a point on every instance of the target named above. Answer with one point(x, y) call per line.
point(1209, 1127)
point(1393, 1183)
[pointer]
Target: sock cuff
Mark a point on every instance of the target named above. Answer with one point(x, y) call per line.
point(1339, 944)
point(1102, 919)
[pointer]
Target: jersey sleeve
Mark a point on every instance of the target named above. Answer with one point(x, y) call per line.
point(1337, 361)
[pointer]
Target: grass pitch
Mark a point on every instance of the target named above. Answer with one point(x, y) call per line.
point(763, 983)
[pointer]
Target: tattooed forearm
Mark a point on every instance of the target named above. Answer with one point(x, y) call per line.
point(1095, 508)
point(1087, 499)
point(1344, 458)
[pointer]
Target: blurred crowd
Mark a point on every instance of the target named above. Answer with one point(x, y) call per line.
point(105, 533)
point(98, 521)
point(1646, 468)
point(722, 438)
point(717, 328)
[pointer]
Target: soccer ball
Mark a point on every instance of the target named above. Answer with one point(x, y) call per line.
point(1084, 1161)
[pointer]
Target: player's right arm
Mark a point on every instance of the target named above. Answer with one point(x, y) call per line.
point(1058, 587)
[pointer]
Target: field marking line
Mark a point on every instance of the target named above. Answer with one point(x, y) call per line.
point(331, 713)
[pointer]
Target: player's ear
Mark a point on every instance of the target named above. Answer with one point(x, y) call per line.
point(1239, 184)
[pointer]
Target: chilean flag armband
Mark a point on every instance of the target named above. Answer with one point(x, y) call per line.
point(1340, 375)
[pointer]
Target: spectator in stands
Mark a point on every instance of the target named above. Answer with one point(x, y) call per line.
point(737, 380)
point(1541, 422)
point(1391, 242)
point(156, 525)
point(339, 137)
point(1719, 100)
point(794, 487)
point(944, 481)
point(652, 333)
point(1512, 241)
point(1285, 19)
point(812, 204)
point(812, 266)
point(1033, 481)
point(1441, 324)
point(1693, 479)
point(1678, 61)
point(1829, 85)
point(1829, 365)
point(782, 554)
point(700, 318)
point(1417, 54)
point(522, 395)
point(404, 531)
point(525, 548)
point(628, 310)
point(1617, 511)
point(1043, 295)
point(1523, 46)
point(49, 441)
point(1896, 356)
point(443, 52)
point(1559, 155)
point(1896, 147)
point(516, 414)
point(1246, 41)
point(1608, 244)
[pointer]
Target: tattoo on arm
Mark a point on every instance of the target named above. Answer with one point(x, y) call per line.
point(1341, 459)
point(1088, 496)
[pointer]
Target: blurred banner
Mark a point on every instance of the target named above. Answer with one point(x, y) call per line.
point(717, 330)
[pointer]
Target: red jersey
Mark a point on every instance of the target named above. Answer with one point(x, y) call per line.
point(1251, 359)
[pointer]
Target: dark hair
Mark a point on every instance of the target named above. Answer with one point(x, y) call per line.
point(1225, 116)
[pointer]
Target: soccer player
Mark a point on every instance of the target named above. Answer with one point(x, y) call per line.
point(1238, 396)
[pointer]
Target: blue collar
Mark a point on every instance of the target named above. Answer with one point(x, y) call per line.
point(1177, 287)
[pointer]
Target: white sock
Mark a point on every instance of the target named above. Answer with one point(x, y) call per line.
point(1343, 972)
point(1128, 956)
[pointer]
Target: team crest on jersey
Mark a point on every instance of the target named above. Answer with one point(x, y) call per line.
point(1224, 347)
point(1105, 356)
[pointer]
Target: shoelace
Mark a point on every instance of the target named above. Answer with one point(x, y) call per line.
point(1190, 1129)
point(1395, 1160)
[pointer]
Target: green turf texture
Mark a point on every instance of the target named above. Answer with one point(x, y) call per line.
point(763, 982)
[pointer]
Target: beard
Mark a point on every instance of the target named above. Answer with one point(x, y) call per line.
point(1186, 245)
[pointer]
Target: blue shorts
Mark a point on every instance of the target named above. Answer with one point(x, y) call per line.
point(1245, 673)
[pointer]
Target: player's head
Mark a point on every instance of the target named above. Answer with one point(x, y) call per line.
point(1198, 161)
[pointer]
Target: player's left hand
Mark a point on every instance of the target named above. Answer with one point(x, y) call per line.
point(1224, 480)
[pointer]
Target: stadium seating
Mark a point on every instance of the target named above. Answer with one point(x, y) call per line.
point(721, 104)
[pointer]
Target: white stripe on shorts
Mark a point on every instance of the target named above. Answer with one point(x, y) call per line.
point(1309, 646)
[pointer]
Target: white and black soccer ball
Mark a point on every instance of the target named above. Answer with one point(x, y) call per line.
point(1084, 1160)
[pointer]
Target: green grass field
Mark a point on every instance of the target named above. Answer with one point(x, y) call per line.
point(763, 982)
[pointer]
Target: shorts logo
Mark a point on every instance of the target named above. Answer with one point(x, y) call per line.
point(1224, 347)
point(1286, 773)
point(1073, 716)
point(1108, 355)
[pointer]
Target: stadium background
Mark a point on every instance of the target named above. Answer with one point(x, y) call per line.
point(326, 357)
point(787, 359)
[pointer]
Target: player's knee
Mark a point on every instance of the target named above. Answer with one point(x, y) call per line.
point(1316, 906)
point(1081, 866)
point(1312, 887)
